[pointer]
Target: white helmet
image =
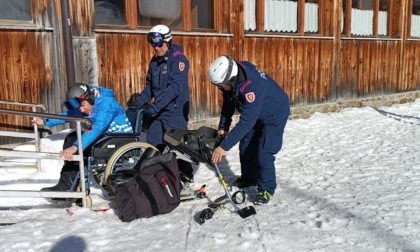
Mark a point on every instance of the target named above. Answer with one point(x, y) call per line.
point(223, 71)
point(159, 33)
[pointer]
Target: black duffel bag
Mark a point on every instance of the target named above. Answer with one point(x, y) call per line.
point(154, 190)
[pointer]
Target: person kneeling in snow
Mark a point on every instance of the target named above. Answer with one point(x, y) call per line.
point(97, 104)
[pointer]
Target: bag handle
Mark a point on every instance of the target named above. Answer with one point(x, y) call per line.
point(143, 185)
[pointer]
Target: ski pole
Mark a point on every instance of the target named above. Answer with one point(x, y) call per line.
point(207, 153)
point(244, 212)
point(225, 187)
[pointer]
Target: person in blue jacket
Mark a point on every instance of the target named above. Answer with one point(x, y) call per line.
point(166, 96)
point(97, 104)
point(264, 110)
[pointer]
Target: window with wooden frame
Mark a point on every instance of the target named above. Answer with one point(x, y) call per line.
point(111, 12)
point(183, 15)
point(367, 18)
point(18, 12)
point(414, 24)
point(298, 17)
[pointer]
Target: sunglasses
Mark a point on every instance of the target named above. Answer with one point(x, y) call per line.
point(160, 44)
point(155, 39)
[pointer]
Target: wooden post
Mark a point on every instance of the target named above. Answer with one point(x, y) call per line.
point(186, 14)
point(403, 32)
point(376, 19)
point(336, 67)
point(131, 14)
point(68, 43)
point(301, 17)
point(237, 28)
point(219, 16)
point(260, 15)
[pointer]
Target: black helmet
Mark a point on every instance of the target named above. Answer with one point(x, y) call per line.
point(79, 92)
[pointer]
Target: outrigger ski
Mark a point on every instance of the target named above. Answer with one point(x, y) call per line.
point(236, 198)
point(207, 213)
point(220, 203)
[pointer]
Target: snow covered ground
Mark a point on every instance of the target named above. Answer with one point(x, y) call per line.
point(347, 181)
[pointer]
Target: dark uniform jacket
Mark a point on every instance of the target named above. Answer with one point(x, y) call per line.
point(167, 83)
point(259, 99)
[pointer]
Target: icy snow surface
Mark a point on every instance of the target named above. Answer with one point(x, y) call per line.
point(347, 181)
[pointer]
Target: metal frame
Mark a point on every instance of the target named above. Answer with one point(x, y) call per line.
point(48, 155)
point(34, 135)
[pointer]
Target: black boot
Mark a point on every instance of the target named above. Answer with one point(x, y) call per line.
point(242, 182)
point(64, 183)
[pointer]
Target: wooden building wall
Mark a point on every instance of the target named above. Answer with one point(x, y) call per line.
point(26, 66)
point(302, 67)
point(409, 68)
point(310, 69)
point(369, 69)
point(25, 70)
point(123, 61)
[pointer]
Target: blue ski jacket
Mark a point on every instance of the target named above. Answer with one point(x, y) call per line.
point(259, 99)
point(107, 116)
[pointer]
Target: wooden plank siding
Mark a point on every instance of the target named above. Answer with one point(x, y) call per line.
point(368, 69)
point(124, 58)
point(410, 68)
point(296, 64)
point(25, 72)
point(83, 18)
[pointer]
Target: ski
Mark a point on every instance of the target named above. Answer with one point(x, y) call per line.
point(2, 224)
point(217, 205)
point(100, 210)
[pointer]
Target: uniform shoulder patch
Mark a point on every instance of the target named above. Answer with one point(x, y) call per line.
point(181, 66)
point(250, 97)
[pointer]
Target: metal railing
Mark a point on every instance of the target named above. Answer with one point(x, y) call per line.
point(48, 155)
point(34, 135)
